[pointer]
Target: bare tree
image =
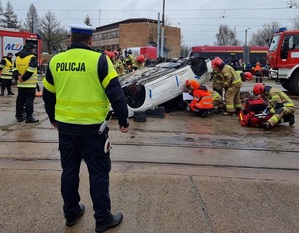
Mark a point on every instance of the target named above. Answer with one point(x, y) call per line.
point(51, 32)
point(87, 21)
point(10, 19)
point(31, 21)
point(295, 21)
point(264, 35)
point(226, 36)
point(1, 15)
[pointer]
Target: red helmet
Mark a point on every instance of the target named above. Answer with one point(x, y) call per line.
point(140, 58)
point(217, 62)
point(116, 53)
point(247, 76)
point(258, 88)
point(192, 84)
point(110, 55)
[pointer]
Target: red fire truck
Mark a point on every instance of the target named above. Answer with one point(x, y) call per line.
point(13, 41)
point(283, 59)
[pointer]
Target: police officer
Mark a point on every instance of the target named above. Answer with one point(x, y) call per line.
point(79, 86)
point(25, 73)
point(6, 66)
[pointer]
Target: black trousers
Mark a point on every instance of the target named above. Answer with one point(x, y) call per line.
point(25, 98)
point(6, 83)
point(91, 149)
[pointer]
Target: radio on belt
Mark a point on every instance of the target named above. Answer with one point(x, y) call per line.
point(105, 123)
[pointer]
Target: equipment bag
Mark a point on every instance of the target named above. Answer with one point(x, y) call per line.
point(256, 104)
point(245, 117)
point(250, 118)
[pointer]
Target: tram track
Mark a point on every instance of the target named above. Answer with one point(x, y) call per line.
point(166, 154)
point(185, 145)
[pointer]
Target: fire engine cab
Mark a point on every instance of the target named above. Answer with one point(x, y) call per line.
point(283, 59)
point(12, 40)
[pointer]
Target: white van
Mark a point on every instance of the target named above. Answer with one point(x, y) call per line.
point(135, 51)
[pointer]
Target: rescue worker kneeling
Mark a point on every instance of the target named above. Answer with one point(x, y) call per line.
point(279, 104)
point(202, 102)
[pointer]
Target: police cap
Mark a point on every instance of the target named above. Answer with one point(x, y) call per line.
point(9, 54)
point(81, 28)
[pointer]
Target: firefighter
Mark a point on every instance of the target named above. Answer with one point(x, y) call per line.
point(79, 86)
point(110, 55)
point(139, 62)
point(202, 98)
point(218, 104)
point(279, 104)
point(6, 66)
point(232, 85)
point(217, 81)
point(25, 73)
point(129, 60)
point(118, 64)
point(246, 76)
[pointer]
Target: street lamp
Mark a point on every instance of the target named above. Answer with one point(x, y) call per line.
point(246, 51)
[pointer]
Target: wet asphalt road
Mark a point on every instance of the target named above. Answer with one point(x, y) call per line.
point(181, 173)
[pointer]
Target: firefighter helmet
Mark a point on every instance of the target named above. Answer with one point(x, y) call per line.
point(192, 84)
point(140, 58)
point(110, 55)
point(258, 88)
point(116, 53)
point(217, 62)
point(247, 76)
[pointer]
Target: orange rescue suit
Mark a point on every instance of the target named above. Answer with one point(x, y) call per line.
point(202, 99)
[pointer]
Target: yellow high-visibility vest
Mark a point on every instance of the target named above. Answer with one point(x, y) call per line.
point(22, 65)
point(80, 96)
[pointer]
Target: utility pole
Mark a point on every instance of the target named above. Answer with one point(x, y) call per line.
point(99, 18)
point(158, 39)
point(162, 33)
point(246, 51)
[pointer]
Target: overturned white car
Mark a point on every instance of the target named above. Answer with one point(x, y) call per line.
point(151, 86)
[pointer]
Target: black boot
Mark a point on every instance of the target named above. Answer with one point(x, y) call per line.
point(31, 120)
point(2, 91)
point(9, 91)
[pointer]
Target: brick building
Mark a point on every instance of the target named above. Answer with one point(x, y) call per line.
point(137, 32)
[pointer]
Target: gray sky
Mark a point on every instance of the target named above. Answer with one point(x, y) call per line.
point(199, 20)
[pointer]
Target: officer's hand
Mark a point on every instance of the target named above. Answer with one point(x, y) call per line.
point(54, 124)
point(123, 129)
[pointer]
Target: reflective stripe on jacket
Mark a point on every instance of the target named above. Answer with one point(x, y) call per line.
point(76, 71)
point(276, 96)
point(22, 65)
point(230, 75)
point(6, 69)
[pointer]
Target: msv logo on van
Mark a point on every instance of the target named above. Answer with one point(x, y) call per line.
point(14, 47)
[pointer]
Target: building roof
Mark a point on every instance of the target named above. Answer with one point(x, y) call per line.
point(116, 25)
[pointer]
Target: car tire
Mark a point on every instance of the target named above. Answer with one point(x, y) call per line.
point(140, 116)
